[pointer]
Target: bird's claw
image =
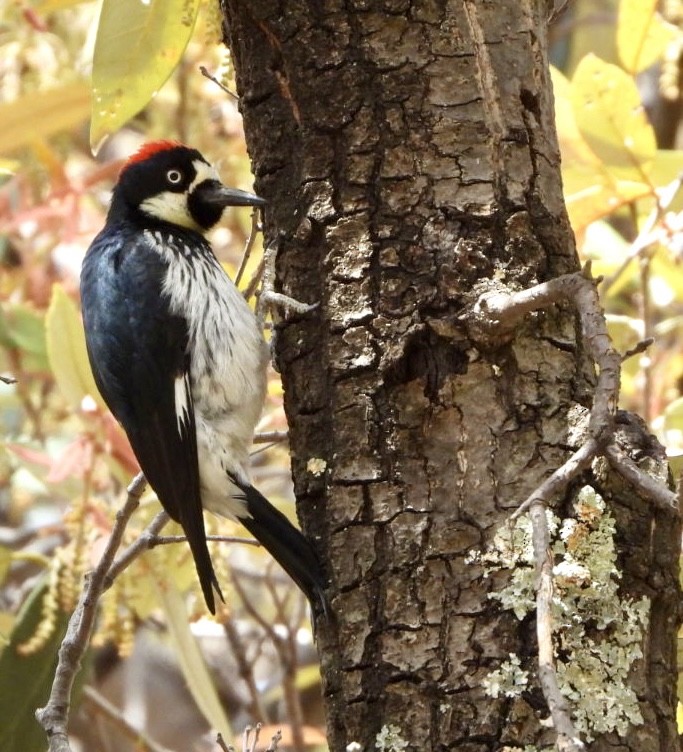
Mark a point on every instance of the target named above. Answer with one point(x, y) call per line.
point(270, 298)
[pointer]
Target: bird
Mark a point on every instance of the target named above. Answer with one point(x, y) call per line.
point(180, 358)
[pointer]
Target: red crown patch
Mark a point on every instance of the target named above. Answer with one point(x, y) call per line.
point(149, 149)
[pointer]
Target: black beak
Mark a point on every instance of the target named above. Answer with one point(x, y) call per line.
point(209, 199)
point(213, 193)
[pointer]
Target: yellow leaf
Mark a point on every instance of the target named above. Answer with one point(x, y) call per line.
point(591, 188)
point(5, 561)
point(9, 167)
point(139, 44)
point(668, 165)
point(575, 151)
point(66, 350)
point(611, 119)
point(36, 116)
point(589, 197)
point(642, 34)
point(190, 658)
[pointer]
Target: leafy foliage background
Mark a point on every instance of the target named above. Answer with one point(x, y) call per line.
point(64, 462)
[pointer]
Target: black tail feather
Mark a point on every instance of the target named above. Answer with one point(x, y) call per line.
point(205, 572)
point(286, 545)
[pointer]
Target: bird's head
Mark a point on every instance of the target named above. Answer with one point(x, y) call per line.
point(169, 182)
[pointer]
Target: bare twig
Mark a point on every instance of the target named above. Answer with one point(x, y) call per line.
point(647, 236)
point(222, 744)
point(286, 648)
point(645, 484)
point(496, 314)
point(206, 74)
point(249, 743)
point(55, 715)
point(102, 706)
point(249, 247)
point(560, 479)
point(558, 11)
point(568, 739)
point(270, 437)
point(638, 348)
point(141, 544)
point(646, 316)
point(255, 280)
point(245, 669)
point(274, 741)
point(252, 610)
point(165, 540)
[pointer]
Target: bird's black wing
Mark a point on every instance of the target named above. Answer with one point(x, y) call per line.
point(138, 352)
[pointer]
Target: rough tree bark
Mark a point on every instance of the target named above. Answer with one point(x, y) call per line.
point(408, 153)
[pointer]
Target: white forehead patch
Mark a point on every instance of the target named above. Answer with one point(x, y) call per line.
point(204, 172)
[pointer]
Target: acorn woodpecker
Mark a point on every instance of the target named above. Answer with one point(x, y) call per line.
point(180, 358)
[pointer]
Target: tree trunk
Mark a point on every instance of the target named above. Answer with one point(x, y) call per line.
point(408, 153)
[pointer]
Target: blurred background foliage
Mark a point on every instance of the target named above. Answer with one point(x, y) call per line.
point(64, 462)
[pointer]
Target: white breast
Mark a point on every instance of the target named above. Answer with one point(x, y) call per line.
point(228, 365)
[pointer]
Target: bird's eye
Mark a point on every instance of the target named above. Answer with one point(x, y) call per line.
point(174, 176)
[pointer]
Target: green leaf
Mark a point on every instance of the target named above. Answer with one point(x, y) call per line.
point(25, 681)
point(23, 328)
point(611, 118)
point(5, 561)
point(642, 34)
point(66, 350)
point(139, 44)
point(191, 661)
point(38, 115)
point(676, 464)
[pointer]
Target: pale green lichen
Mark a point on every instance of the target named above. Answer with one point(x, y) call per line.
point(389, 739)
point(598, 636)
point(509, 680)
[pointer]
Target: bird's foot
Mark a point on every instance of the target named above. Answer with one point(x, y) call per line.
point(268, 299)
point(287, 304)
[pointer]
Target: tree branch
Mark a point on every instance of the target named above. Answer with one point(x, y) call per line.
point(55, 715)
point(645, 484)
point(494, 317)
point(560, 479)
point(141, 544)
point(568, 739)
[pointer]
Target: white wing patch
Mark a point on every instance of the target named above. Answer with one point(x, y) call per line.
point(182, 402)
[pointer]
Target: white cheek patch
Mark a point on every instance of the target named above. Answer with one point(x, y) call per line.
point(182, 403)
point(170, 207)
